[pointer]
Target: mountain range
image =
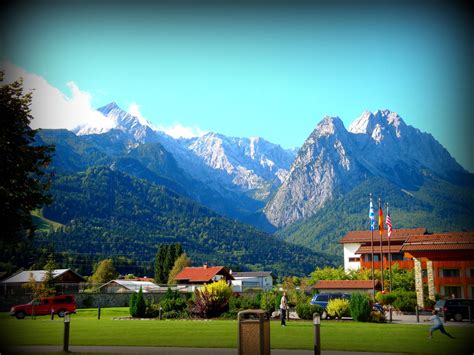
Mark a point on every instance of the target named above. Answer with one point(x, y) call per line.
point(310, 197)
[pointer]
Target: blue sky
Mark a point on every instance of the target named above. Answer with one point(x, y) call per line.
point(272, 71)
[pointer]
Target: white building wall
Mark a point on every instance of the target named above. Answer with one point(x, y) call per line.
point(349, 252)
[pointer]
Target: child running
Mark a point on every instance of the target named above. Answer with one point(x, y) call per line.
point(438, 325)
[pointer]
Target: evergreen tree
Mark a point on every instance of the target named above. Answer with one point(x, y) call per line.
point(133, 304)
point(140, 305)
point(169, 260)
point(159, 264)
point(23, 181)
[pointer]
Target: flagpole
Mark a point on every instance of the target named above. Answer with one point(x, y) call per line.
point(381, 251)
point(372, 251)
point(389, 258)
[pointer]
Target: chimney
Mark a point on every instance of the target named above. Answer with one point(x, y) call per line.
point(205, 265)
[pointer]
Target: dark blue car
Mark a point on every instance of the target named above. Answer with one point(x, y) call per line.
point(322, 300)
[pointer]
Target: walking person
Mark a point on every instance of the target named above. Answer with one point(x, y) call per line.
point(438, 325)
point(283, 309)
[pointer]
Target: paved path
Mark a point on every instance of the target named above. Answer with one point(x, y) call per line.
point(163, 351)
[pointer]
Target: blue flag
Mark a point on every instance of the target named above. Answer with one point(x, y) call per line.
point(371, 216)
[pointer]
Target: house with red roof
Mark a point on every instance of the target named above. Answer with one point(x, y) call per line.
point(203, 275)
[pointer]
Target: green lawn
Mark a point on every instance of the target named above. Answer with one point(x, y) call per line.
point(345, 335)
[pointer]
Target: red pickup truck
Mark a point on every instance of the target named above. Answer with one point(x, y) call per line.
point(42, 306)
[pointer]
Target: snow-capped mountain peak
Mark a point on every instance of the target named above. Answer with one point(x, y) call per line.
point(329, 126)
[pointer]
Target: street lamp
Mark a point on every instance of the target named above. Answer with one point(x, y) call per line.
point(67, 323)
point(317, 333)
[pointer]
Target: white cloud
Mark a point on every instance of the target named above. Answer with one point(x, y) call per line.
point(177, 130)
point(51, 108)
point(134, 110)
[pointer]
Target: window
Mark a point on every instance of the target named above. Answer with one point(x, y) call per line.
point(471, 273)
point(424, 273)
point(397, 257)
point(450, 273)
point(368, 257)
point(354, 260)
point(323, 298)
point(452, 291)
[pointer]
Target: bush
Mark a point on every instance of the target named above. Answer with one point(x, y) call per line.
point(152, 310)
point(405, 301)
point(360, 307)
point(212, 300)
point(338, 307)
point(238, 302)
point(306, 310)
point(386, 298)
point(269, 301)
point(133, 305)
point(140, 305)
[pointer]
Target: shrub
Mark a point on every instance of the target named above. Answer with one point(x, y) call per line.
point(268, 301)
point(360, 307)
point(338, 307)
point(306, 310)
point(405, 301)
point(212, 299)
point(386, 298)
point(133, 305)
point(152, 310)
point(140, 305)
point(237, 302)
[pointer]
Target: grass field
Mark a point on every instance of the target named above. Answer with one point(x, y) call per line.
point(335, 335)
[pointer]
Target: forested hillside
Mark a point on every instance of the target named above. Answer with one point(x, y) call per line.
point(108, 213)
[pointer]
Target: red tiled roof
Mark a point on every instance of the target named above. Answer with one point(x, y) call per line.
point(440, 241)
point(343, 284)
point(200, 274)
point(364, 236)
point(366, 249)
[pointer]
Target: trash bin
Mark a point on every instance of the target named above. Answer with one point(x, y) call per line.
point(254, 332)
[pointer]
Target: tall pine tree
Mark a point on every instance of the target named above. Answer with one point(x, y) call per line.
point(164, 261)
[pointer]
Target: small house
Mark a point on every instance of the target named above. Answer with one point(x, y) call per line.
point(128, 286)
point(262, 280)
point(65, 280)
point(203, 275)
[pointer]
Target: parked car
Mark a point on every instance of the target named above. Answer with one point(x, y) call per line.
point(455, 308)
point(42, 306)
point(322, 299)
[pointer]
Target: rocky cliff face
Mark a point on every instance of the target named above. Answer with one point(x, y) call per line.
point(333, 161)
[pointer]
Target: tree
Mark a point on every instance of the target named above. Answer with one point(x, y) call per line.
point(133, 305)
point(104, 272)
point(181, 262)
point(38, 289)
point(159, 261)
point(165, 259)
point(48, 280)
point(140, 304)
point(23, 180)
point(328, 273)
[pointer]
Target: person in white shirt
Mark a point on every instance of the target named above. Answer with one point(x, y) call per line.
point(283, 309)
point(438, 325)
